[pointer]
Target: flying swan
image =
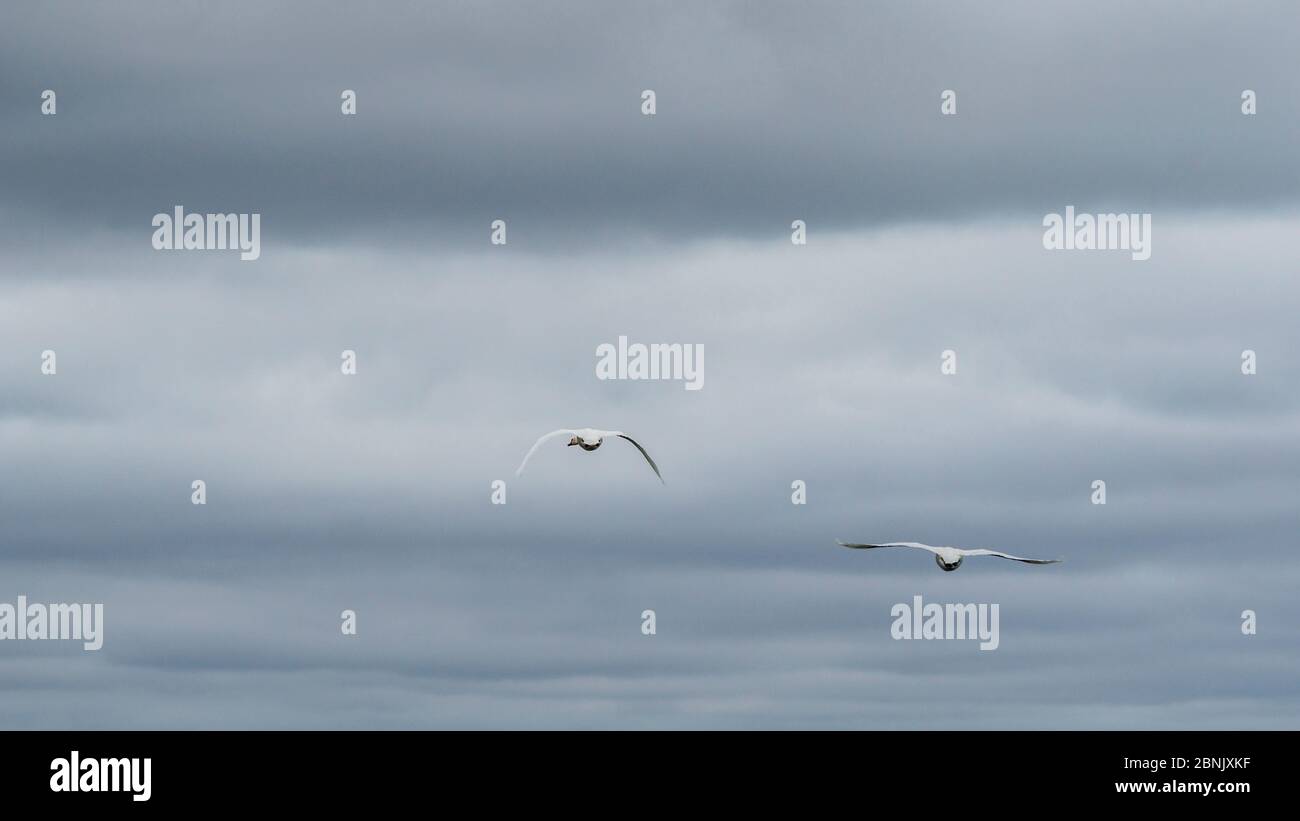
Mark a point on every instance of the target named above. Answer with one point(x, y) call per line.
point(949, 558)
point(588, 439)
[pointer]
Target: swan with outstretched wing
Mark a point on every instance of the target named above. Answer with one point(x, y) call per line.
point(949, 558)
point(587, 439)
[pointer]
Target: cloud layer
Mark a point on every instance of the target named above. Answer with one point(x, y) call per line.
point(372, 492)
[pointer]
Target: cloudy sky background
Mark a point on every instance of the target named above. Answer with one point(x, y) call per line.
point(822, 363)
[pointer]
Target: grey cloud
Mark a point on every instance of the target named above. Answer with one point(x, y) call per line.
point(372, 492)
point(826, 112)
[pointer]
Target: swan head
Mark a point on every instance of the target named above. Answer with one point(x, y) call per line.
point(948, 566)
point(585, 445)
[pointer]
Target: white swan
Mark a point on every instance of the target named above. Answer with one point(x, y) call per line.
point(949, 558)
point(587, 439)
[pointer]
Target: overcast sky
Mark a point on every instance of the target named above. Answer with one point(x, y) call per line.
point(372, 492)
